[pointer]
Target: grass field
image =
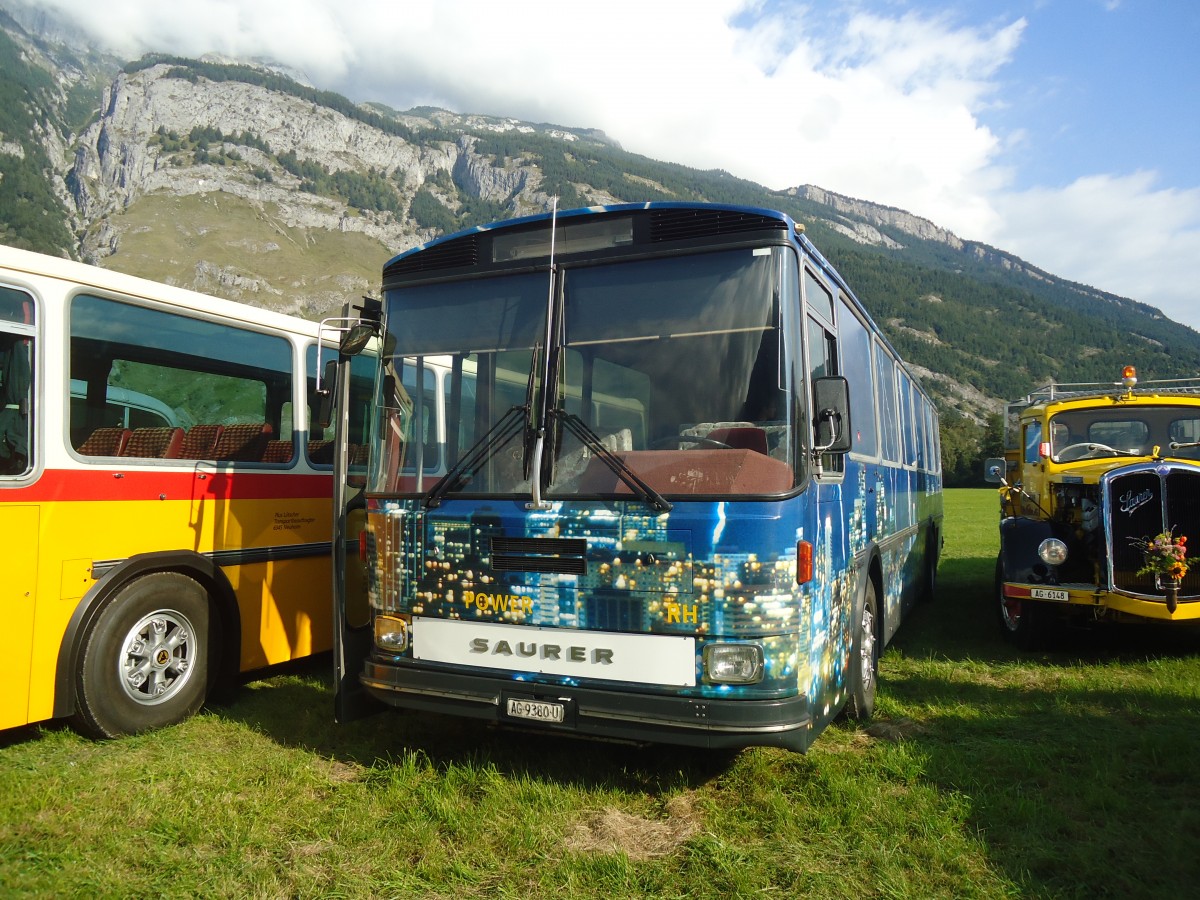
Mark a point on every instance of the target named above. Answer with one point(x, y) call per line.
point(986, 773)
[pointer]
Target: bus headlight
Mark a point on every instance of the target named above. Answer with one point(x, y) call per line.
point(733, 663)
point(1052, 552)
point(391, 634)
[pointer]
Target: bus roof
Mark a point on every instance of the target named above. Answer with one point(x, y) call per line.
point(598, 210)
point(40, 264)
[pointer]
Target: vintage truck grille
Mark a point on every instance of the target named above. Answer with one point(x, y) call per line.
point(1143, 503)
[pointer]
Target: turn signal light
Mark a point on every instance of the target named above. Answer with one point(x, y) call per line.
point(804, 565)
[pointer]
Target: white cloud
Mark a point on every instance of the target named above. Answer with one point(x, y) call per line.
point(879, 107)
point(1123, 234)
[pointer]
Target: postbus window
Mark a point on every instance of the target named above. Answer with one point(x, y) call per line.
point(823, 361)
point(1033, 442)
point(1183, 431)
point(16, 381)
point(856, 366)
point(889, 408)
point(362, 388)
point(911, 430)
point(820, 301)
point(157, 384)
point(931, 438)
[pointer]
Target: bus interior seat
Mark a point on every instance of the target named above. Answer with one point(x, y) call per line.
point(105, 441)
point(321, 452)
point(199, 442)
point(162, 442)
point(278, 451)
point(244, 442)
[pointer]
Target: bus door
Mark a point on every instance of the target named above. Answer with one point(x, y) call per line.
point(19, 522)
point(18, 597)
point(350, 378)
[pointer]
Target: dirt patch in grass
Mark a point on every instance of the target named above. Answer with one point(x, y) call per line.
point(611, 830)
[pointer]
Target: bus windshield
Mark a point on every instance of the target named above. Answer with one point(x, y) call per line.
point(671, 366)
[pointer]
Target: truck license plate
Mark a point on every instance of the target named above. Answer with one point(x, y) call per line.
point(1048, 594)
point(536, 710)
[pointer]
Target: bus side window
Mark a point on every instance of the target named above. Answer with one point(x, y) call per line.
point(16, 382)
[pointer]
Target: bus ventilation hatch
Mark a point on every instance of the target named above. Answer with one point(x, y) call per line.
point(455, 254)
point(555, 556)
point(681, 224)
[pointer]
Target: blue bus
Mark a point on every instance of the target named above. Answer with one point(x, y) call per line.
point(638, 472)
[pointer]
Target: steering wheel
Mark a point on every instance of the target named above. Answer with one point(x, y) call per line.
point(1086, 448)
point(664, 443)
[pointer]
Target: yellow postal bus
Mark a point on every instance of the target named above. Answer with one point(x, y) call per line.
point(165, 504)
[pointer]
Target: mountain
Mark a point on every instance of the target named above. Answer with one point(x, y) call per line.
point(239, 180)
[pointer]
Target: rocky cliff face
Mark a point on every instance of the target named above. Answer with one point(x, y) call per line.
point(117, 160)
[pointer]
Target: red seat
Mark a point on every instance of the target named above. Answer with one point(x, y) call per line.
point(278, 452)
point(107, 441)
point(199, 442)
point(154, 443)
point(244, 442)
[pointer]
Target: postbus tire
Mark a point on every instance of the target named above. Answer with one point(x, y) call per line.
point(929, 588)
point(144, 663)
point(864, 658)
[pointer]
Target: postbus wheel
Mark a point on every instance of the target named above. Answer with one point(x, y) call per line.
point(144, 663)
point(864, 658)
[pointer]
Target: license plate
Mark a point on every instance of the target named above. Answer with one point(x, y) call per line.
point(1048, 594)
point(536, 710)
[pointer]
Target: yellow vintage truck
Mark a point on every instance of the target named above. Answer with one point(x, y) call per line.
point(1099, 499)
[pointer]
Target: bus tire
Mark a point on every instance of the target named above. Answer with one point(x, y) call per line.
point(145, 662)
point(929, 588)
point(864, 658)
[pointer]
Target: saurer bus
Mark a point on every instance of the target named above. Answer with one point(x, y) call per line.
point(164, 504)
point(685, 493)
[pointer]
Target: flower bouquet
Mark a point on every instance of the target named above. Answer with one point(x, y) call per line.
point(1165, 557)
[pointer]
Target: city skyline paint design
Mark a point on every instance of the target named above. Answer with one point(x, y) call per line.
point(714, 570)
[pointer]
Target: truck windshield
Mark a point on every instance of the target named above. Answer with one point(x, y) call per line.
point(1086, 434)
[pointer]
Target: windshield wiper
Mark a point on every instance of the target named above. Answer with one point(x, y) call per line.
point(592, 441)
point(498, 436)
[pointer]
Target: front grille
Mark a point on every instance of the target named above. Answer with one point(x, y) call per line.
point(1141, 504)
point(608, 610)
point(552, 556)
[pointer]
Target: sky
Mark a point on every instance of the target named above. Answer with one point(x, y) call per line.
point(1064, 131)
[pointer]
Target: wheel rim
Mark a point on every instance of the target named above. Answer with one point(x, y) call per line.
point(866, 649)
point(157, 657)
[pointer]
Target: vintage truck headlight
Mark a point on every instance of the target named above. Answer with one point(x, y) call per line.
point(733, 663)
point(391, 633)
point(1052, 552)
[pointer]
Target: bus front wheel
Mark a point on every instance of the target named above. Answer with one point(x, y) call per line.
point(144, 663)
point(864, 658)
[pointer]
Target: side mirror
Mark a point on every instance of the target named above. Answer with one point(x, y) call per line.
point(995, 470)
point(356, 338)
point(323, 414)
point(831, 418)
